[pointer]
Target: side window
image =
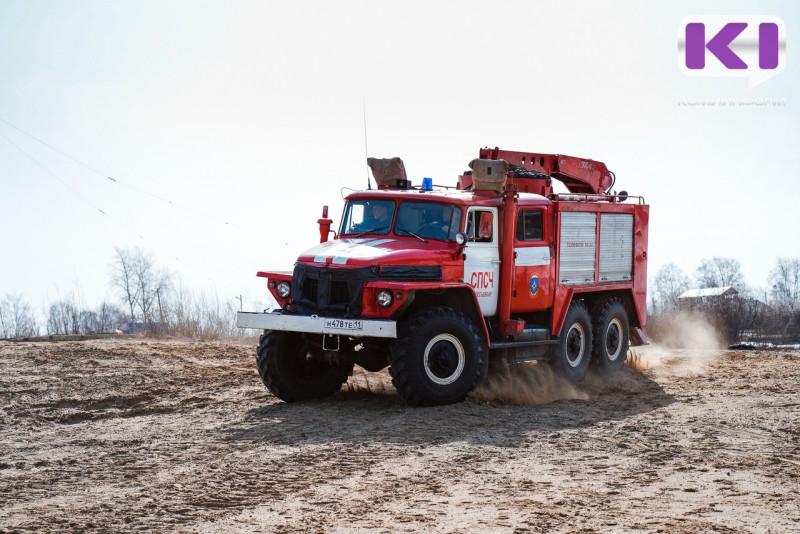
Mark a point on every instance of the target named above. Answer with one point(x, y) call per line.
point(355, 218)
point(485, 228)
point(480, 226)
point(529, 225)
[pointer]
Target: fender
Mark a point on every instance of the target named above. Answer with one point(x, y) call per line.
point(273, 278)
point(565, 295)
point(456, 294)
point(561, 304)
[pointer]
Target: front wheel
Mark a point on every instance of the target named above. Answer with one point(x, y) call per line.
point(572, 356)
point(438, 358)
point(293, 369)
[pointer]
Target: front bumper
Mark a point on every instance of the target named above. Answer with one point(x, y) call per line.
point(314, 324)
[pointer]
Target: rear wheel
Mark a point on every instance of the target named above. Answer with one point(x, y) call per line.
point(293, 369)
point(575, 345)
point(611, 336)
point(438, 358)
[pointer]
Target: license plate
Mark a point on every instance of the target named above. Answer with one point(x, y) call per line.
point(344, 324)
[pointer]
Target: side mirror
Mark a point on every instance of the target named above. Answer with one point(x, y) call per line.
point(461, 239)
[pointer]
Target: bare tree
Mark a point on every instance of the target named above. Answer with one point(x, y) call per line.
point(161, 301)
point(144, 277)
point(152, 283)
point(67, 317)
point(785, 278)
point(669, 283)
point(183, 315)
point(16, 317)
point(201, 314)
point(109, 317)
point(141, 285)
point(123, 277)
point(720, 272)
point(5, 319)
point(63, 317)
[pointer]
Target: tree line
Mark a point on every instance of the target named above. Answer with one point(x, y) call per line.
point(149, 300)
point(154, 301)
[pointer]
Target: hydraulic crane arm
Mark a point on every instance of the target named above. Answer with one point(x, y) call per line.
point(580, 175)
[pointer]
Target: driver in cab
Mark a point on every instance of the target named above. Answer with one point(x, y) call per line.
point(436, 223)
point(380, 215)
point(378, 219)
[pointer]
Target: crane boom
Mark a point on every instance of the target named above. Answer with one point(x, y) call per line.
point(579, 175)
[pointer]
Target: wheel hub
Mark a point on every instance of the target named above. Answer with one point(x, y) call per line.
point(444, 359)
point(308, 362)
point(613, 339)
point(575, 345)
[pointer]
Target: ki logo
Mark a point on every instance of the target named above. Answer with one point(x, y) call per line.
point(748, 46)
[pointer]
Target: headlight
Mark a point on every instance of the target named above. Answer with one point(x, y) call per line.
point(384, 298)
point(283, 289)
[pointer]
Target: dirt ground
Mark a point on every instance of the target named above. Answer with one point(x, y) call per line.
point(174, 435)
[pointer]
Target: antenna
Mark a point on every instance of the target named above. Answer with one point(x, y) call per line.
point(366, 147)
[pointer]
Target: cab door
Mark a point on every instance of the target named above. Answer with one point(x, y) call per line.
point(533, 287)
point(482, 263)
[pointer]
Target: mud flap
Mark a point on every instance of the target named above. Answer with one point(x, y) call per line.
point(638, 337)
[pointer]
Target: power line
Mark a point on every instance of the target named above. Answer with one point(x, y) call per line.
point(64, 183)
point(94, 206)
point(51, 147)
point(130, 186)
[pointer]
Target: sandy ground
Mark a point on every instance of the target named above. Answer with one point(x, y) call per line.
point(168, 435)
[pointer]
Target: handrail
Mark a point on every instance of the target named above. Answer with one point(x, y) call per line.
point(587, 197)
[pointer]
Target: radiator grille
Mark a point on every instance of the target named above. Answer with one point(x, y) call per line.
point(339, 293)
point(336, 292)
point(310, 289)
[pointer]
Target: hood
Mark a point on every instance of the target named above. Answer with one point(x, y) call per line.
point(387, 250)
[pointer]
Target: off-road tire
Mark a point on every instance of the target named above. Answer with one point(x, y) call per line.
point(284, 369)
point(438, 358)
point(611, 336)
point(574, 349)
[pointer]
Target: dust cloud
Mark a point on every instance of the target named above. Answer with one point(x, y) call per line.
point(687, 330)
point(685, 341)
point(523, 384)
point(685, 344)
point(362, 381)
point(526, 384)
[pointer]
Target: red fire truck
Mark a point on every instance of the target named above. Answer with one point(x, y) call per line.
point(437, 283)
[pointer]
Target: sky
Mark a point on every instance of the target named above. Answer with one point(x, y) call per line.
point(228, 125)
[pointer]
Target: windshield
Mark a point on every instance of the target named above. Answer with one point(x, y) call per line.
point(368, 217)
point(423, 220)
point(428, 220)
